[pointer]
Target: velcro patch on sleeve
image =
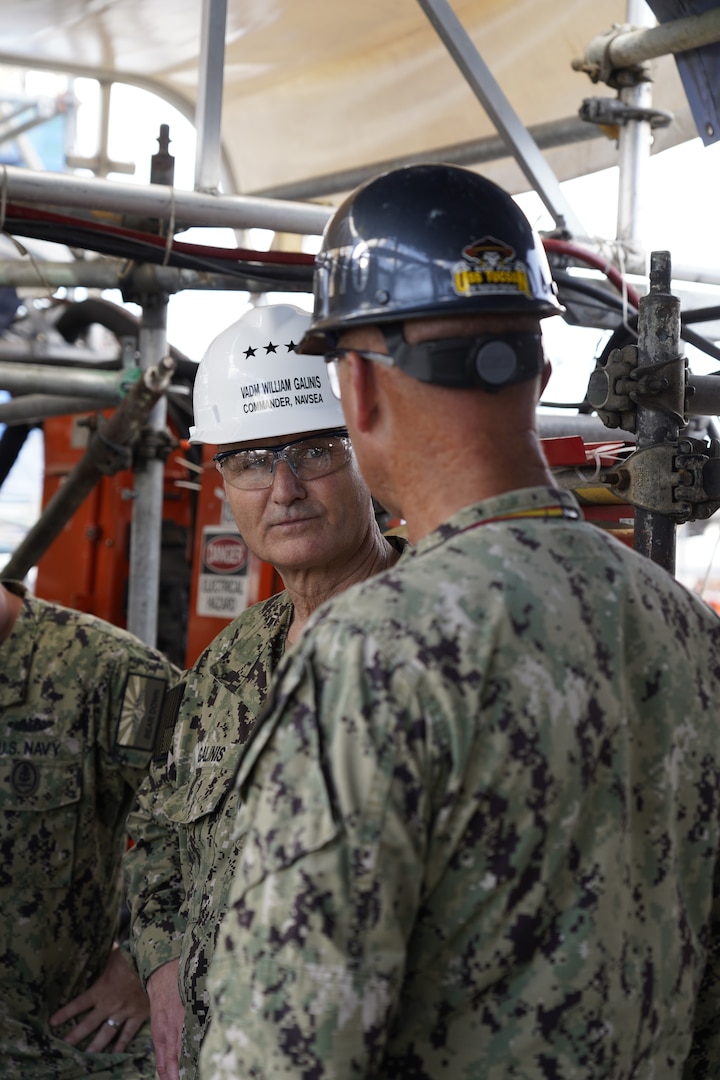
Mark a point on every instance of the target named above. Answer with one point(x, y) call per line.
point(170, 711)
point(141, 710)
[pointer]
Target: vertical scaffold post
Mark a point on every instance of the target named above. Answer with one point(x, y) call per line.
point(658, 344)
point(146, 525)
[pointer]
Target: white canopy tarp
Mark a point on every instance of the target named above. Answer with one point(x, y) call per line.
point(314, 89)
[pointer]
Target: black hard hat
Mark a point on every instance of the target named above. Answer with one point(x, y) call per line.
point(427, 240)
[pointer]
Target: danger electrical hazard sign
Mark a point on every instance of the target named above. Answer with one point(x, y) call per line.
point(222, 585)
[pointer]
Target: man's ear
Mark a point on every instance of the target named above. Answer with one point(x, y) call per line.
point(363, 397)
point(545, 376)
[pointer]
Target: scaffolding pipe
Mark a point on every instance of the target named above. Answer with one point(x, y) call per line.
point(208, 112)
point(549, 134)
point(634, 145)
point(20, 378)
point(186, 208)
point(34, 408)
point(111, 273)
point(703, 397)
point(588, 426)
point(146, 524)
point(627, 46)
point(55, 351)
point(488, 92)
point(107, 452)
point(659, 346)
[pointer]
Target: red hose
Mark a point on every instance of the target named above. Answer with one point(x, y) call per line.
point(566, 247)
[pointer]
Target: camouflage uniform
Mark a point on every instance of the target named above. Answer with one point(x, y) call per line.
point(79, 705)
point(180, 868)
point(484, 819)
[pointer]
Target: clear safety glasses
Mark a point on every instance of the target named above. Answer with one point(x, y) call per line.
point(309, 458)
point(333, 356)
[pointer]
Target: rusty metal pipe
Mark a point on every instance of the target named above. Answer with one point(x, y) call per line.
point(659, 344)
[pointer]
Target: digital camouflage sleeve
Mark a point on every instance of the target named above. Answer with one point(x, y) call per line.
point(483, 822)
point(184, 827)
point(80, 702)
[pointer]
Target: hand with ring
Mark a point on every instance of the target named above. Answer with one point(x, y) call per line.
point(111, 1011)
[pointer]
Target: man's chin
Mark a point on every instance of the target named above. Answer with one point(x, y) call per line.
point(296, 546)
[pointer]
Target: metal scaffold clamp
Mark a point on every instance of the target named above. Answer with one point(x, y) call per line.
point(647, 388)
point(680, 480)
point(616, 388)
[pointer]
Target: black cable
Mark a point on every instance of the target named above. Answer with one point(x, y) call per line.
point(707, 314)
point(627, 335)
point(563, 404)
point(78, 316)
point(280, 276)
point(12, 441)
point(587, 288)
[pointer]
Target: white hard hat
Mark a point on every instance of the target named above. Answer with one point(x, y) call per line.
point(251, 384)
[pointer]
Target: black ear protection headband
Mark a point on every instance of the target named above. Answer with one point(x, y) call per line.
point(489, 361)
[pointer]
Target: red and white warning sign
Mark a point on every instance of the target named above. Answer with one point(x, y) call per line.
point(222, 585)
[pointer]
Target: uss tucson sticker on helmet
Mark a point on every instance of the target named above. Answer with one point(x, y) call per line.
point(490, 267)
point(140, 713)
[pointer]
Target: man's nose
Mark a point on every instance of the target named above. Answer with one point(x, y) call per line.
point(286, 486)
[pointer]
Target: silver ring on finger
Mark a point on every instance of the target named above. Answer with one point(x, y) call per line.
point(113, 1023)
